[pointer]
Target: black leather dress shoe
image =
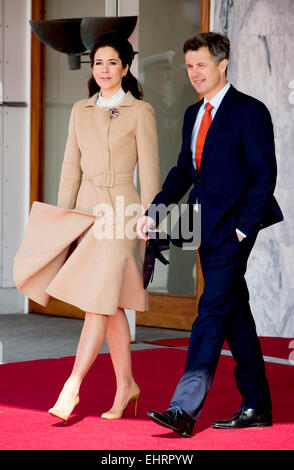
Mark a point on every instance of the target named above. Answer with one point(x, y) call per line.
point(174, 418)
point(245, 418)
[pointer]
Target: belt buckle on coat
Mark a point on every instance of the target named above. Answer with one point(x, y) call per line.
point(108, 179)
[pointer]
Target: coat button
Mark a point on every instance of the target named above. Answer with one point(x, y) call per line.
point(200, 180)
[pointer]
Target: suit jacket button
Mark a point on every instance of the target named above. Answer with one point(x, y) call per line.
point(200, 180)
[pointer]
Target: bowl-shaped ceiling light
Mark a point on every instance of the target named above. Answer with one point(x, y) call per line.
point(93, 27)
point(74, 36)
point(63, 35)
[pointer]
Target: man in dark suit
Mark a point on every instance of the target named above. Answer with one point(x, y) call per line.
point(228, 156)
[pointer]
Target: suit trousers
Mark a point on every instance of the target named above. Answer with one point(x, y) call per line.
point(224, 313)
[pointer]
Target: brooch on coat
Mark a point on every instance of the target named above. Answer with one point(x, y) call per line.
point(113, 112)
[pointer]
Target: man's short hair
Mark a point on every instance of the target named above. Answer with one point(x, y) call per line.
point(218, 45)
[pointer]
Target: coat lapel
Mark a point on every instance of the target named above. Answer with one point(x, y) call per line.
point(191, 121)
point(191, 118)
point(217, 122)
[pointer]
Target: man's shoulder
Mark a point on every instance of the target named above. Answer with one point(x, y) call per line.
point(190, 111)
point(193, 106)
point(249, 102)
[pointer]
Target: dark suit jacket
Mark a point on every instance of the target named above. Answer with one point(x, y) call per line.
point(237, 176)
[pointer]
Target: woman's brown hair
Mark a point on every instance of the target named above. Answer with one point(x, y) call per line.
point(126, 54)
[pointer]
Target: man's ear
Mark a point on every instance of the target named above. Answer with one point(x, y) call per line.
point(223, 65)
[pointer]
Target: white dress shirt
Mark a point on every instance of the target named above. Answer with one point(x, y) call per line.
point(115, 100)
point(215, 102)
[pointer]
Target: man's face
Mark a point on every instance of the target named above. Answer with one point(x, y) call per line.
point(206, 76)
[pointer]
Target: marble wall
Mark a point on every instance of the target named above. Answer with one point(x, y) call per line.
point(261, 64)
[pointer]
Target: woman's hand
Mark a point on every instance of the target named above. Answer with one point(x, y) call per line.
point(144, 224)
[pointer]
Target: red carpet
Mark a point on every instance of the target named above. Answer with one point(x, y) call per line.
point(28, 389)
point(274, 347)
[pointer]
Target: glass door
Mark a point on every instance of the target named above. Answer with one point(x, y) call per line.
point(62, 87)
point(162, 29)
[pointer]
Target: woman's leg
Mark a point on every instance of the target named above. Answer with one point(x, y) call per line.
point(118, 339)
point(91, 340)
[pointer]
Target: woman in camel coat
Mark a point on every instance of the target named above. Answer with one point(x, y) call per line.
point(109, 133)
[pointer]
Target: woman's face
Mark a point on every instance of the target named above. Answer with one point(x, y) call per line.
point(108, 70)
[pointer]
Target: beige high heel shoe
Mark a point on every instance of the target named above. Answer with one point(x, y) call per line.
point(60, 413)
point(135, 395)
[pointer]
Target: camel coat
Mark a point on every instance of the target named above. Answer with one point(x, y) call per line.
point(85, 251)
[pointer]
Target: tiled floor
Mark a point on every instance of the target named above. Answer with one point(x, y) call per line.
point(31, 336)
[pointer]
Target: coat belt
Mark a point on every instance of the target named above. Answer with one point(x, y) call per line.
point(109, 178)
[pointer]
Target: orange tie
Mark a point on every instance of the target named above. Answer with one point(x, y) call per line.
point(205, 123)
